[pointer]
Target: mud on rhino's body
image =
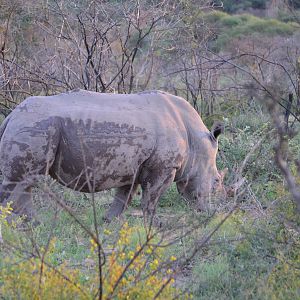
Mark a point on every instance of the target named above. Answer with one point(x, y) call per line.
point(92, 142)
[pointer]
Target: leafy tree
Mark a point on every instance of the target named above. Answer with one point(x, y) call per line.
point(232, 6)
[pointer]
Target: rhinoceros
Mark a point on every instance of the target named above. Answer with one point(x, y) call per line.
point(91, 142)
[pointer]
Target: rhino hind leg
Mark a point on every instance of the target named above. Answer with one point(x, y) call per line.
point(5, 191)
point(121, 200)
point(20, 196)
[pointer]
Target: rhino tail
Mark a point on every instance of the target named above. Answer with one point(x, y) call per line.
point(3, 126)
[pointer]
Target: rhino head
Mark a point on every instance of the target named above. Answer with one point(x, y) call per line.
point(203, 180)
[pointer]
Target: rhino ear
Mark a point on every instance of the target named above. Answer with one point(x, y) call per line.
point(217, 129)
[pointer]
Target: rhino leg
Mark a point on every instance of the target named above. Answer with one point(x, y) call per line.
point(5, 192)
point(121, 200)
point(154, 184)
point(20, 196)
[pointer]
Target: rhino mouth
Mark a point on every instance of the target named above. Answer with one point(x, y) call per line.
point(202, 201)
point(193, 197)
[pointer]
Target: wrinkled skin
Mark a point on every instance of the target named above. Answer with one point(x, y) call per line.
point(92, 142)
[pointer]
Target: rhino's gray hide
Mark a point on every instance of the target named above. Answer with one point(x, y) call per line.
point(91, 142)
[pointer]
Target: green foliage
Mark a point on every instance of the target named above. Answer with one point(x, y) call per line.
point(244, 131)
point(171, 198)
point(284, 281)
point(231, 21)
point(256, 265)
point(214, 16)
point(286, 16)
point(133, 270)
point(229, 27)
point(252, 256)
point(232, 6)
point(211, 277)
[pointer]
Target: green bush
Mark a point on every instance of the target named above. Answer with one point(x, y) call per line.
point(250, 259)
point(231, 21)
point(269, 27)
point(214, 16)
point(232, 6)
point(227, 27)
point(235, 146)
point(134, 269)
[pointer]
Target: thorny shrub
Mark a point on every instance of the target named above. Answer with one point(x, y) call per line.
point(132, 270)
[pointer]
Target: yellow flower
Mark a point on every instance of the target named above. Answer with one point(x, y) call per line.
point(131, 255)
point(149, 250)
point(156, 262)
point(122, 255)
point(107, 232)
point(173, 258)
point(93, 245)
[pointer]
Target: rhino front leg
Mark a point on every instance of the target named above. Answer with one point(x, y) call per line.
point(121, 200)
point(153, 186)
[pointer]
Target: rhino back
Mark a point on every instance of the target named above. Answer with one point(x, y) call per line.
point(159, 114)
